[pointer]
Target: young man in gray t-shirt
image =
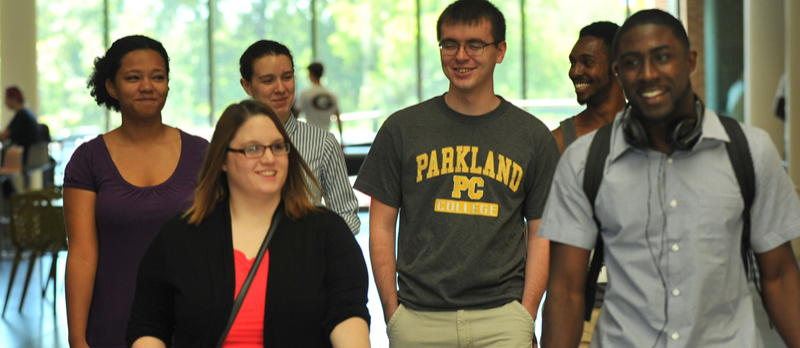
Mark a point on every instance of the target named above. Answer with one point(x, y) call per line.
point(464, 171)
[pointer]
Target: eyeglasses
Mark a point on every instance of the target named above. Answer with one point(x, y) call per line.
point(450, 48)
point(255, 151)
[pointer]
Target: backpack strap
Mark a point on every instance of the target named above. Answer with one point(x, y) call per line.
point(592, 177)
point(742, 162)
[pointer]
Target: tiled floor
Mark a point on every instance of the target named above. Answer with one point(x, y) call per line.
point(37, 327)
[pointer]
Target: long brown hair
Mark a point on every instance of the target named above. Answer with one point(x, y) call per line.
point(212, 187)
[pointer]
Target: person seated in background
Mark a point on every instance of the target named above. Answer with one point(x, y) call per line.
point(23, 130)
point(311, 287)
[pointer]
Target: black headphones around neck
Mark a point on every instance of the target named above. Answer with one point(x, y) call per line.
point(682, 133)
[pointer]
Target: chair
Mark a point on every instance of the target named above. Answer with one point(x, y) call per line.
point(38, 161)
point(12, 161)
point(54, 233)
point(9, 172)
point(36, 225)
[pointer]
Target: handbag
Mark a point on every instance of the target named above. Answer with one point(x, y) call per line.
point(276, 220)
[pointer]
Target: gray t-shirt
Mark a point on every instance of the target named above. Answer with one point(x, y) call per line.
point(318, 104)
point(463, 185)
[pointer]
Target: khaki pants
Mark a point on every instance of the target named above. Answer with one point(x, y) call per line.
point(507, 326)
point(588, 329)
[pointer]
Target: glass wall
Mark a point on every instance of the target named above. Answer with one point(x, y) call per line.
point(376, 59)
point(369, 50)
point(238, 24)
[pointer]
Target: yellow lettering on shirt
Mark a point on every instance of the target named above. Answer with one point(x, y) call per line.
point(503, 169)
point(466, 208)
point(471, 185)
point(488, 168)
point(473, 168)
point(461, 163)
point(452, 160)
point(447, 160)
point(516, 177)
point(422, 163)
point(433, 170)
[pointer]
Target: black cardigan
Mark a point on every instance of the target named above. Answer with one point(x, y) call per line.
point(185, 285)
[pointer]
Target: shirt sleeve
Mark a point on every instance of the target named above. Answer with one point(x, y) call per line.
point(152, 312)
point(336, 186)
point(775, 214)
point(346, 278)
point(379, 176)
point(543, 167)
point(80, 171)
point(568, 216)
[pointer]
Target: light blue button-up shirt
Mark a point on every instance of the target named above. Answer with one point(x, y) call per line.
point(672, 231)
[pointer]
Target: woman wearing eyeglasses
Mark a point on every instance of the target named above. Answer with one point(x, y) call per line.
point(310, 288)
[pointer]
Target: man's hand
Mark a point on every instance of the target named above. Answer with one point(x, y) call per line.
point(388, 311)
point(532, 311)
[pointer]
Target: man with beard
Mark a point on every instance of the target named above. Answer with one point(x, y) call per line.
point(598, 89)
point(670, 211)
point(595, 85)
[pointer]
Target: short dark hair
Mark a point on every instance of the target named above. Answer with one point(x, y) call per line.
point(472, 12)
point(316, 69)
point(652, 16)
point(15, 93)
point(257, 50)
point(106, 67)
point(603, 30)
point(212, 184)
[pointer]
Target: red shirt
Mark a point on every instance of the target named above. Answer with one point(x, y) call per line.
point(248, 328)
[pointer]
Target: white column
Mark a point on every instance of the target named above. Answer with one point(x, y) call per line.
point(18, 51)
point(792, 67)
point(763, 64)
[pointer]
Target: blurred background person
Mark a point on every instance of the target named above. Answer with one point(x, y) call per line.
point(23, 130)
point(310, 288)
point(319, 103)
point(121, 187)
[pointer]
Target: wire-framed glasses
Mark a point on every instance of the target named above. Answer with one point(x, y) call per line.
point(254, 151)
point(473, 48)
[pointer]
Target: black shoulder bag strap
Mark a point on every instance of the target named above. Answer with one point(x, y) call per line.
point(742, 162)
point(276, 220)
point(592, 177)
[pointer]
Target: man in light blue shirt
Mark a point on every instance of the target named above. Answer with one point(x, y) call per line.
point(670, 211)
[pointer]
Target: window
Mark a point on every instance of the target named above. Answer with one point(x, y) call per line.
point(375, 59)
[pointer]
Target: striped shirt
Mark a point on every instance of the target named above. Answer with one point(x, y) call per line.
point(323, 155)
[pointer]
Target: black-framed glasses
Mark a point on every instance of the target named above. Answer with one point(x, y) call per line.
point(450, 48)
point(255, 151)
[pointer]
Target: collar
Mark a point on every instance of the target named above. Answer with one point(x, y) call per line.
point(291, 125)
point(713, 132)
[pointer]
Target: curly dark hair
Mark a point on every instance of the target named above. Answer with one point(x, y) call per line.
point(106, 67)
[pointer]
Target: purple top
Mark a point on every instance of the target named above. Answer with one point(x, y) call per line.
point(128, 217)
